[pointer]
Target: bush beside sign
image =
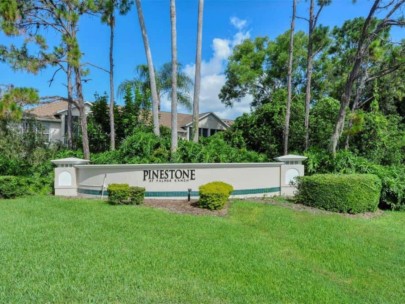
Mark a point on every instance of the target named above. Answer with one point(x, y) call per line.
point(351, 193)
point(123, 194)
point(214, 195)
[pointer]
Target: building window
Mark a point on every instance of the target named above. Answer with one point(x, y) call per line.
point(41, 130)
point(44, 131)
point(76, 126)
point(203, 132)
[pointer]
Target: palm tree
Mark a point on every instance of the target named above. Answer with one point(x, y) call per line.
point(173, 146)
point(197, 79)
point(140, 92)
point(163, 83)
point(289, 81)
point(107, 9)
point(183, 87)
point(152, 79)
point(111, 22)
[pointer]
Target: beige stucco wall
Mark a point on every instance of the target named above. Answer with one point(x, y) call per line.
point(241, 176)
point(76, 177)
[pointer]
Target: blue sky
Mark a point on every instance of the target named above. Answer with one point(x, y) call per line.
point(226, 23)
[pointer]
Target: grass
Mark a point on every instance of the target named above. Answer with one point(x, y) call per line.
point(64, 251)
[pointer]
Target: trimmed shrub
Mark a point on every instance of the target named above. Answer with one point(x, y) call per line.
point(13, 186)
point(351, 193)
point(137, 195)
point(214, 195)
point(392, 177)
point(123, 194)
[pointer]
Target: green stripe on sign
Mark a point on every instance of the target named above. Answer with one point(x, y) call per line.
point(92, 192)
point(256, 191)
point(185, 193)
point(170, 193)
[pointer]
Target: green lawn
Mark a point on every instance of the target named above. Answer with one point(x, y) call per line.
point(59, 250)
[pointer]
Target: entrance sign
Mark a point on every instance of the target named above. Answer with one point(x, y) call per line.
point(173, 181)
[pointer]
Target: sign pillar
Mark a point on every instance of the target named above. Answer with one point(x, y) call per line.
point(291, 168)
point(65, 182)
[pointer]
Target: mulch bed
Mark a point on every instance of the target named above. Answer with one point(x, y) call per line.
point(185, 207)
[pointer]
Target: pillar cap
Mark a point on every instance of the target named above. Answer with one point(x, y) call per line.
point(70, 161)
point(291, 158)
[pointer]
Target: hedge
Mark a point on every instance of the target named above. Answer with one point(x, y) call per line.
point(345, 162)
point(214, 195)
point(123, 194)
point(351, 193)
point(16, 186)
point(13, 186)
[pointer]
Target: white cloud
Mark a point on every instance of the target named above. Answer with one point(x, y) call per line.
point(213, 77)
point(222, 48)
point(238, 23)
point(239, 37)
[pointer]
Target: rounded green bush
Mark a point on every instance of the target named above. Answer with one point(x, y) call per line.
point(214, 195)
point(351, 193)
point(123, 194)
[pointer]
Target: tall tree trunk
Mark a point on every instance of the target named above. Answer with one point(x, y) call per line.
point(69, 122)
point(112, 124)
point(340, 122)
point(174, 76)
point(289, 80)
point(82, 112)
point(152, 79)
point(363, 44)
point(355, 104)
point(344, 103)
point(197, 79)
point(309, 72)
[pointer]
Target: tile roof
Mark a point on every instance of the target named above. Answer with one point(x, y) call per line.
point(49, 110)
point(182, 120)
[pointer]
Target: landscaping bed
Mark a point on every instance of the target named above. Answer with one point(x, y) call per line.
point(184, 206)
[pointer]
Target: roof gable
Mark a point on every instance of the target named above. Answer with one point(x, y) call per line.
point(51, 109)
point(165, 119)
point(48, 109)
point(204, 115)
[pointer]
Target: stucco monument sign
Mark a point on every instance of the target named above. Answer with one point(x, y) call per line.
point(74, 177)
